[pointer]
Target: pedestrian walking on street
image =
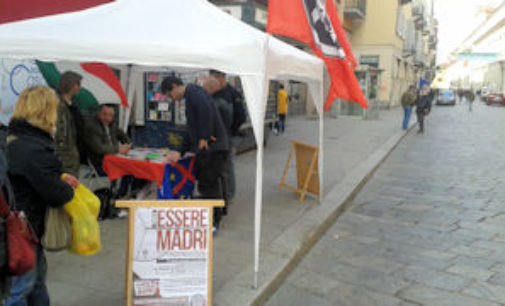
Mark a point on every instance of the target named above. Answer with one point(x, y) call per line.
point(470, 96)
point(423, 107)
point(408, 101)
point(282, 108)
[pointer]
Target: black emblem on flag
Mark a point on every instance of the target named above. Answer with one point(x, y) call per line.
point(322, 30)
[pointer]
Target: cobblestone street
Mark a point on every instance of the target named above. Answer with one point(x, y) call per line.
point(427, 229)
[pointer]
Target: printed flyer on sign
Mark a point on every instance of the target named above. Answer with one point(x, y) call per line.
point(171, 256)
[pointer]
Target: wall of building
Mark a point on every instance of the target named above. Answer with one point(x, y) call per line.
point(495, 76)
point(379, 26)
point(382, 33)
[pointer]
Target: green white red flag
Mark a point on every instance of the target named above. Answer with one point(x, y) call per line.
point(100, 84)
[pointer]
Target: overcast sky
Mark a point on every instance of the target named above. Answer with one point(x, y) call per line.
point(457, 19)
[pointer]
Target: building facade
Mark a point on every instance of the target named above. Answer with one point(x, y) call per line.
point(480, 60)
point(398, 37)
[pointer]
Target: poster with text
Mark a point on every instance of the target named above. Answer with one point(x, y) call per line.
point(171, 256)
point(15, 76)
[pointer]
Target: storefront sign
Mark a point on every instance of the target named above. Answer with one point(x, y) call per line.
point(372, 60)
point(170, 252)
point(478, 56)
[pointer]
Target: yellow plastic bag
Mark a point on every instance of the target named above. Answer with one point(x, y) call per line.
point(85, 229)
point(89, 198)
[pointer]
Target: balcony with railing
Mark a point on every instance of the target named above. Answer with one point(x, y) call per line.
point(420, 56)
point(355, 9)
point(409, 43)
point(418, 9)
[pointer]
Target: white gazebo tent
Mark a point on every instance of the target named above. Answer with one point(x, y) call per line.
point(173, 33)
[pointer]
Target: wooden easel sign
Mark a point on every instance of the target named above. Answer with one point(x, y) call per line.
point(169, 252)
point(306, 169)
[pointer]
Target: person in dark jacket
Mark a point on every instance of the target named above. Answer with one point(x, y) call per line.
point(70, 126)
point(235, 100)
point(423, 107)
point(470, 97)
point(207, 137)
point(104, 137)
point(211, 85)
point(7, 193)
point(234, 97)
point(37, 179)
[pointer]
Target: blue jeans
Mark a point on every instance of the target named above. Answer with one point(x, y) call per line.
point(30, 288)
point(281, 123)
point(406, 118)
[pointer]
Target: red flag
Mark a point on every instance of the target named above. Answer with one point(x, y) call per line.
point(318, 25)
point(15, 10)
point(105, 73)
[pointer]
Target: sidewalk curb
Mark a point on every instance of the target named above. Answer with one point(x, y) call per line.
point(292, 245)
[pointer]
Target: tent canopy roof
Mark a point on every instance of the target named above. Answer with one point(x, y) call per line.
point(189, 33)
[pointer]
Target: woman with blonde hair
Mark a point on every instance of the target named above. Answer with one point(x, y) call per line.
point(35, 174)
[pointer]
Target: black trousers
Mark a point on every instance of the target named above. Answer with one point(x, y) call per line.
point(209, 173)
point(420, 120)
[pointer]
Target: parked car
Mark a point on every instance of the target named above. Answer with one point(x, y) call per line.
point(484, 93)
point(446, 97)
point(495, 98)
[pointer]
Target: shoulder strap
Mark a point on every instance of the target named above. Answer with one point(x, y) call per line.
point(4, 207)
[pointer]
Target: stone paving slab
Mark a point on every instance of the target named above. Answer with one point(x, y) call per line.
point(436, 207)
point(435, 297)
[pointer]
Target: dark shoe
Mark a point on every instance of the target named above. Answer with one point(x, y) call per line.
point(215, 229)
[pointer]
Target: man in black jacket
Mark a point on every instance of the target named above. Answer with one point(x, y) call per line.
point(423, 107)
point(207, 137)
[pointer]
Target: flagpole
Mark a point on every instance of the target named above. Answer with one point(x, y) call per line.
point(321, 139)
point(130, 91)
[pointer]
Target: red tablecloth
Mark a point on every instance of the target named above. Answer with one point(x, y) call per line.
point(117, 167)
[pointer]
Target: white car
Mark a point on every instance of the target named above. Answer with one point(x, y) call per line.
point(484, 93)
point(446, 97)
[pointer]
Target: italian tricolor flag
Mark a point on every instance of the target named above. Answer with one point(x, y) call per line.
point(99, 85)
